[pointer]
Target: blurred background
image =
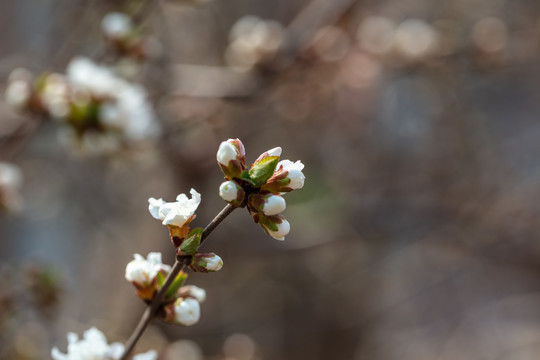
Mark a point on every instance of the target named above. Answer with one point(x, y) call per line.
point(415, 236)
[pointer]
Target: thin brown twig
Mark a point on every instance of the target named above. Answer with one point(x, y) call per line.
point(150, 311)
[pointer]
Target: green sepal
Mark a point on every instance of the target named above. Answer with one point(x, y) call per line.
point(245, 176)
point(190, 245)
point(263, 170)
point(160, 278)
point(269, 222)
point(176, 284)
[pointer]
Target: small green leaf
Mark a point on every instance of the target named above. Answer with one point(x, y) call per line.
point(245, 176)
point(177, 283)
point(160, 279)
point(263, 170)
point(194, 231)
point(191, 244)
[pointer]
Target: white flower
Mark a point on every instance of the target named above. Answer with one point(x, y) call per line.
point(93, 346)
point(143, 271)
point(195, 292)
point(274, 152)
point(226, 152)
point(116, 25)
point(10, 176)
point(273, 205)
point(294, 173)
point(187, 311)
point(99, 80)
point(18, 93)
point(154, 205)
point(177, 213)
point(283, 229)
point(229, 191)
point(135, 114)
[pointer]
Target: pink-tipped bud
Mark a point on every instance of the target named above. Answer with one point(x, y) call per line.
point(231, 158)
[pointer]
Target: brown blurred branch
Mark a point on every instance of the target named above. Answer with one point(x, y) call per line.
point(11, 143)
point(178, 266)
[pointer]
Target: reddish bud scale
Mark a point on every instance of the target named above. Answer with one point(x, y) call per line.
point(277, 182)
point(178, 234)
point(168, 313)
point(255, 202)
point(234, 169)
point(269, 222)
point(241, 150)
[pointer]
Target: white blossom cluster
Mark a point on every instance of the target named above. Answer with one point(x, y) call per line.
point(94, 346)
point(100, 111)
point(264, 184)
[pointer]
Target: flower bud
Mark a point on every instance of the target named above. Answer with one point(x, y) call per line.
point(194, 292)
point(276, 226)
point(116, 26)
point(18, 94)
point(287, 177)
point(231, 158)
point(232, 193)
point(187, 311)
point(208, 262)
point(273, 205)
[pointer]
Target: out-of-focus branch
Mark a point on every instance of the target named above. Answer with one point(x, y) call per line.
point(313, 17)
point(11, 143)
point(213, 81)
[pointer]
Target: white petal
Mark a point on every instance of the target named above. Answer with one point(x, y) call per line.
point(273, 205)
point(153, 207)
point(188, 311)
point(228, 191)
point(57, 355)
point(274, 152)
point(226, 153)
point(149, 355)
point(214, 263)
point(283, 229)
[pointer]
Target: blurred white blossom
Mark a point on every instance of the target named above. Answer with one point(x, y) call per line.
point(187, 311)
point(143, 271)
point(116, 25)
point(93, 346)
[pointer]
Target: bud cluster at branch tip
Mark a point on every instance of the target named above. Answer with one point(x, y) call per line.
point(262, 185)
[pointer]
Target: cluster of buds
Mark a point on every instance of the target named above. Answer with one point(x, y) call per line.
point(10, 183)
point(94, 346)
point(261, 187)
point(99, 110)
point(126, 39)
point(177, 216)
point(181, 304)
